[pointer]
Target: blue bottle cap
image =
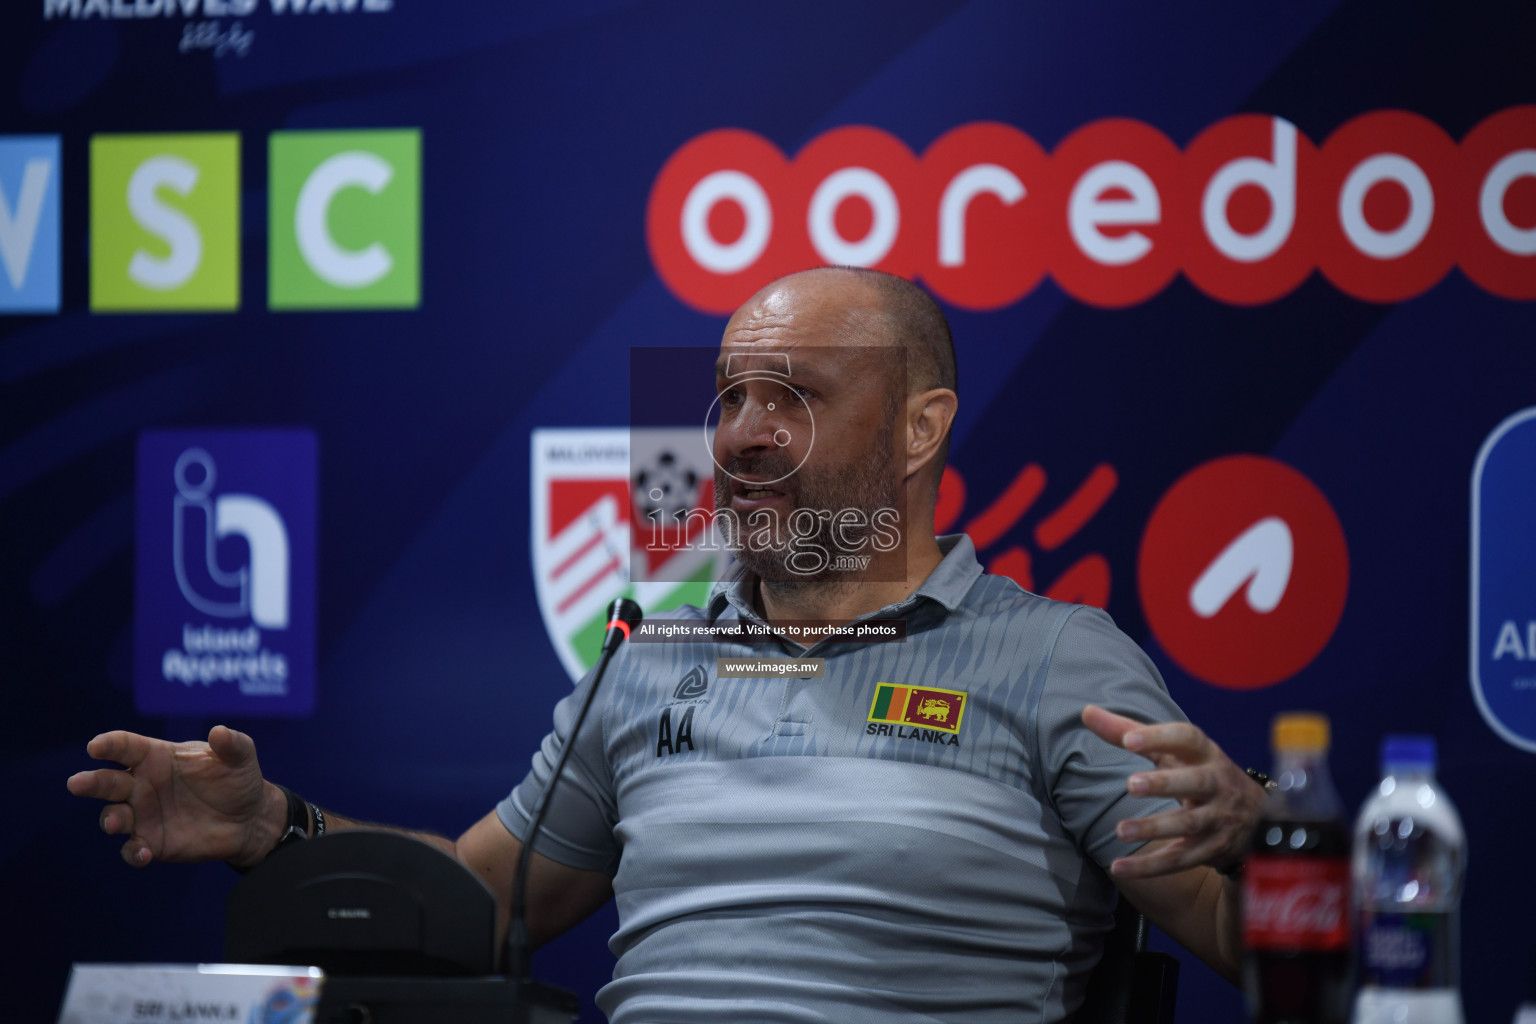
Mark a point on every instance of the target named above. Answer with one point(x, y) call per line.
point(1408, 750)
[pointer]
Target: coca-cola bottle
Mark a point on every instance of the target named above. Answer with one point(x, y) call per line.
point(1296, 966)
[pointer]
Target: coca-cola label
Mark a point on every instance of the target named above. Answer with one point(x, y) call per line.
point(1296, 903)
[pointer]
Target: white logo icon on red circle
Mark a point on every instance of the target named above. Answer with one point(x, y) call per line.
point(1243, 572)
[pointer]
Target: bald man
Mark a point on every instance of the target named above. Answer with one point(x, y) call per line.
point(929, 830)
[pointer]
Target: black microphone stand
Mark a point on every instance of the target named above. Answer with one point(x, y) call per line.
point(443, 897)
point(623, 616)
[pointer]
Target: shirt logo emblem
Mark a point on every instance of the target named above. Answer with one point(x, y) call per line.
point(693, 685)
point(924, 706)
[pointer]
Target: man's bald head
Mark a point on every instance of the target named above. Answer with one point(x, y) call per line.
point(868, 310)
point(870, 307)
point(910, 318)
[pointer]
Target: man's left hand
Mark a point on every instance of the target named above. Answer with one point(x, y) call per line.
point(1220, 802)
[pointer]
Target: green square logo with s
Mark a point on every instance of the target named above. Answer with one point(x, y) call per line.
point(345, 228)
point(165, 222)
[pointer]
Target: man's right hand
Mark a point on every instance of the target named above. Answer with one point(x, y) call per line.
point(189, 801)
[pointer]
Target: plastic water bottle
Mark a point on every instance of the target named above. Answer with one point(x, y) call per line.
point(1409, 860)
point(1525, 1013)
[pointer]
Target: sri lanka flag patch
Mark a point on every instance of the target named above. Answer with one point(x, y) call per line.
point(923, 706)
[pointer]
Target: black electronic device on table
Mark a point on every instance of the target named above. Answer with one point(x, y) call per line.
point(405, 933)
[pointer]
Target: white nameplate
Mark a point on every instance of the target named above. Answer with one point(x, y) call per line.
point(184, 993)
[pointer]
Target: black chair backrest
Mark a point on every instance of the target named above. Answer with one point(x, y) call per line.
point(1131, 984)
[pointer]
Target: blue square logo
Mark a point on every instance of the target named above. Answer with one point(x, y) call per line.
point(29, 223)
point(224, 582)
point(1504, 580)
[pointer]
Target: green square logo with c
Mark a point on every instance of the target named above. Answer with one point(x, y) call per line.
point(345, 229)
point(165, 222)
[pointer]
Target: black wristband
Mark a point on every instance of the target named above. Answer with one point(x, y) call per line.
point(296, 828)
point(298, 821)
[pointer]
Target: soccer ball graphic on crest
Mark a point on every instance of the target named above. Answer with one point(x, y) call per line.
point(664, 488)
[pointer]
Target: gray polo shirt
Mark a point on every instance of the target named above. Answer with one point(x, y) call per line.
point(778, 856)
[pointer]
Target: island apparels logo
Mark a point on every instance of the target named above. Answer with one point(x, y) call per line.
point(225, 574)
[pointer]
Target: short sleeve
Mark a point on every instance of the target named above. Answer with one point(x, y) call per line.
point(578, 831)
point(1093, 662)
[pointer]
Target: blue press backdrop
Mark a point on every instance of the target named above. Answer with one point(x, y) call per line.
point(543, 129)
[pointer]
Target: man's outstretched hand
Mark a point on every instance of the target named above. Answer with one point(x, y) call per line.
point(191, 801)
point(1220, 802)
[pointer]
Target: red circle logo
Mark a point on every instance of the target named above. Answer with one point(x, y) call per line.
point(1243, 572)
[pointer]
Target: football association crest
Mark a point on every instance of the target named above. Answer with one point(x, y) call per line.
point(592, 513)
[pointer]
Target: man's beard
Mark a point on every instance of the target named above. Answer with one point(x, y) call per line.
point(784, 549)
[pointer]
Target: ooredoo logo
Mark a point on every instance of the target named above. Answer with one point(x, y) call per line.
point(1243, 572)
point(1383, 209)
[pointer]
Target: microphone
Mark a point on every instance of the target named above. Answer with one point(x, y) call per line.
point(623, 616)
